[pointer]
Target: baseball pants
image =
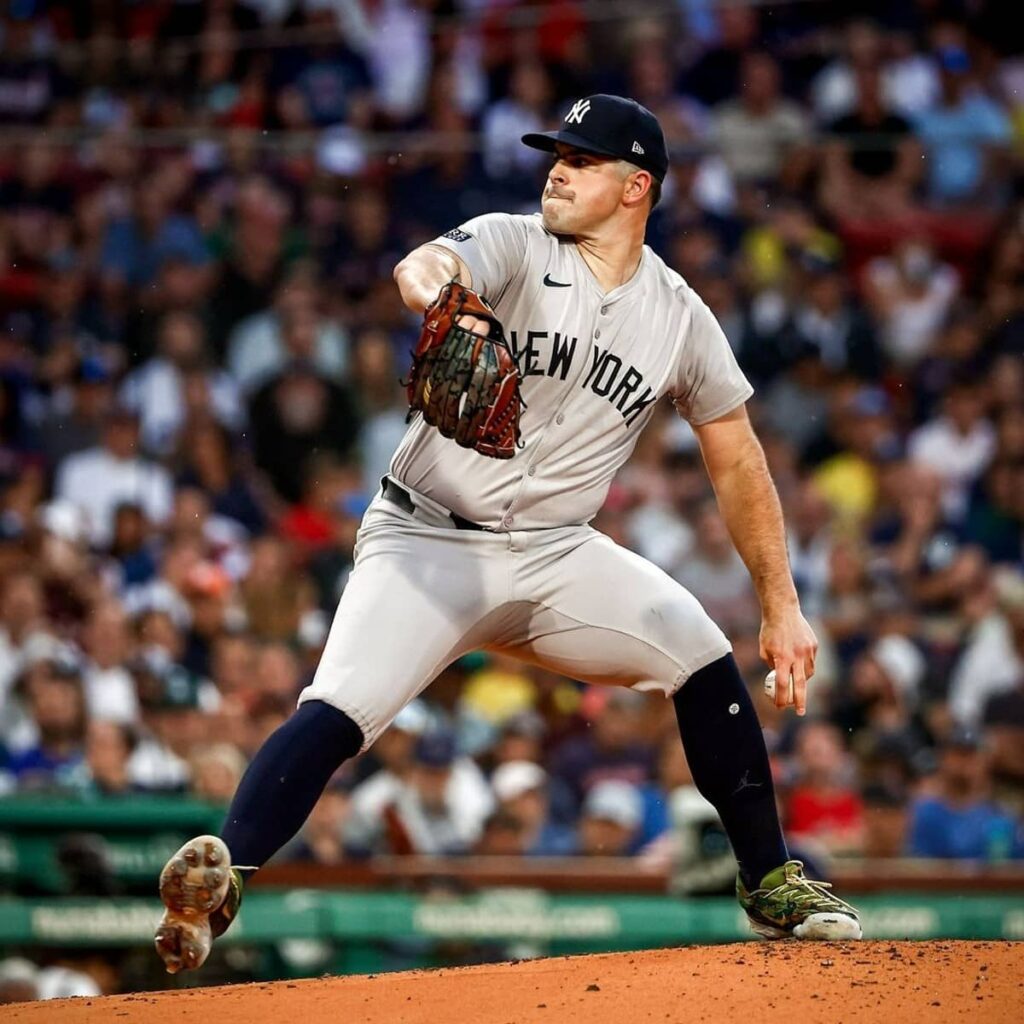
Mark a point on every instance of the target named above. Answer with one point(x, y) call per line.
point(423, 593)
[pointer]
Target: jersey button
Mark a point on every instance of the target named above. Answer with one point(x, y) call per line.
point(559, 419)
point(532, 470)
point(508, 520)
point(597, 333)
point(604, 311)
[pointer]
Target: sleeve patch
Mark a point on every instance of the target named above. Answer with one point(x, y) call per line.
point(457, 235)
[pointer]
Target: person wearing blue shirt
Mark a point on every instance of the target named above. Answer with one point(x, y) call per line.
point(135, 246)
point(52, 689)
point(961, 822)
point(522, 789)
point(959, 133)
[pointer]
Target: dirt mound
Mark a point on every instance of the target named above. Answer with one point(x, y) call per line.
point(858, 983)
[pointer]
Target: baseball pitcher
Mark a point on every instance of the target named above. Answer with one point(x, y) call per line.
point(547, 340)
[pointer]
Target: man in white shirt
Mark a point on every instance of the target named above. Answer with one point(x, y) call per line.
point(992, 660)
point(958, 445)
point(438, 808)
point(759, 132)
point(109, 686)
point(100, 479)
point(157, 390)
point(293, 329)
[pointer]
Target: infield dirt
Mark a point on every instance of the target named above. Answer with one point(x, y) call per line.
point(804, 983)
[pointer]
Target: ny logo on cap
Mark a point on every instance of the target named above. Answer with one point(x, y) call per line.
point(579, 110)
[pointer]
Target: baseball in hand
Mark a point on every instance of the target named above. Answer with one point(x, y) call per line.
point(769, 687)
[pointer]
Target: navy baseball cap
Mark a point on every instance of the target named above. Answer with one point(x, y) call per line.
point(436, 749)
point(610, 126)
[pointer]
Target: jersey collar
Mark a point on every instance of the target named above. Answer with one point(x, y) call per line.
point(616, 293)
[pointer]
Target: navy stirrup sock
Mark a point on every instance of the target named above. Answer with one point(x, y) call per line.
point(729, 762)
point(285, 780)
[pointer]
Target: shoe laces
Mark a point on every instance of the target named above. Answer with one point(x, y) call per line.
point(802, 889)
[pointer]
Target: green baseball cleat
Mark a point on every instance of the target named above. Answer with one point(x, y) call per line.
point(788, 905)
point(201, 893)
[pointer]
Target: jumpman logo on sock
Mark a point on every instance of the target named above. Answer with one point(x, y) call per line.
point(745, 783)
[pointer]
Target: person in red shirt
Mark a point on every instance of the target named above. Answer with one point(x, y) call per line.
point(823, 807)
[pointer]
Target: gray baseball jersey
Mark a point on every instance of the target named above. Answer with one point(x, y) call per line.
point(593, 366)
point(566, 596)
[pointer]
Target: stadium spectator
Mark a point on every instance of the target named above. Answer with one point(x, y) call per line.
point(958, 445)
point(293, 416)
point(293, 328)
point(326, 82)
point(206, 461)
point(828, 320)
point(823, 806)
point(256, 248)
point(1003, 721)
point(850, 456)
point(872, 162)
point(22, 981)
point(55, 700)
point(215, 769)
point(992, 658)
point(610, 819)
point(761, 136)
point(961, 134)
point(99, 480)
point(497, 692)
point(358, 254)
point(614, 747)
point(520, 788)
point(715, 75)
point(22, 616)
point(960, 820)
point(135, 246)
point(171, 721)
point(682, 831)
point(36, 216)
point(885, 821)
point(108, 750)
point(715, 574)
point(521, 739)
point(810, 543)
point(650, 82)
point(109, 687)
point(910, 81)
point(274, 596)
point(32, 87)
point(512, 167)
point(503, 835)
point(322, 837)
point(382, 404)
point(910, 294)
point(885, 689)
point(438, 807)
point(76, 423)
point(163, 390)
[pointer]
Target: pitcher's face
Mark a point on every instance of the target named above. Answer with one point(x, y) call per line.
point(582, 191)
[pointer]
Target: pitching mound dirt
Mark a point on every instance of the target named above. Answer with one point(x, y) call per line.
point(858, 983)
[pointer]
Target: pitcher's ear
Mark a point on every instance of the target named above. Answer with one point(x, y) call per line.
point(639, 186)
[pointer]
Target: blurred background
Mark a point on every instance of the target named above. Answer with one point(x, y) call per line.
point(201, 203)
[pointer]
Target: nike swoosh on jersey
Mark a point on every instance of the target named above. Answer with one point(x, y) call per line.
point(555, 284)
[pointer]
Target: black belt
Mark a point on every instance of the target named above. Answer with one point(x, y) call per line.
point(399, 496)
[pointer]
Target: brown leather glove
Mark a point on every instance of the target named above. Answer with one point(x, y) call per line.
point(466, 384)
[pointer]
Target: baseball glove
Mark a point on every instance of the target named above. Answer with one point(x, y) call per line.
point(466, 384)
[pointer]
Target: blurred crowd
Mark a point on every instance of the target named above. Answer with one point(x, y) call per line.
point(201, 204)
